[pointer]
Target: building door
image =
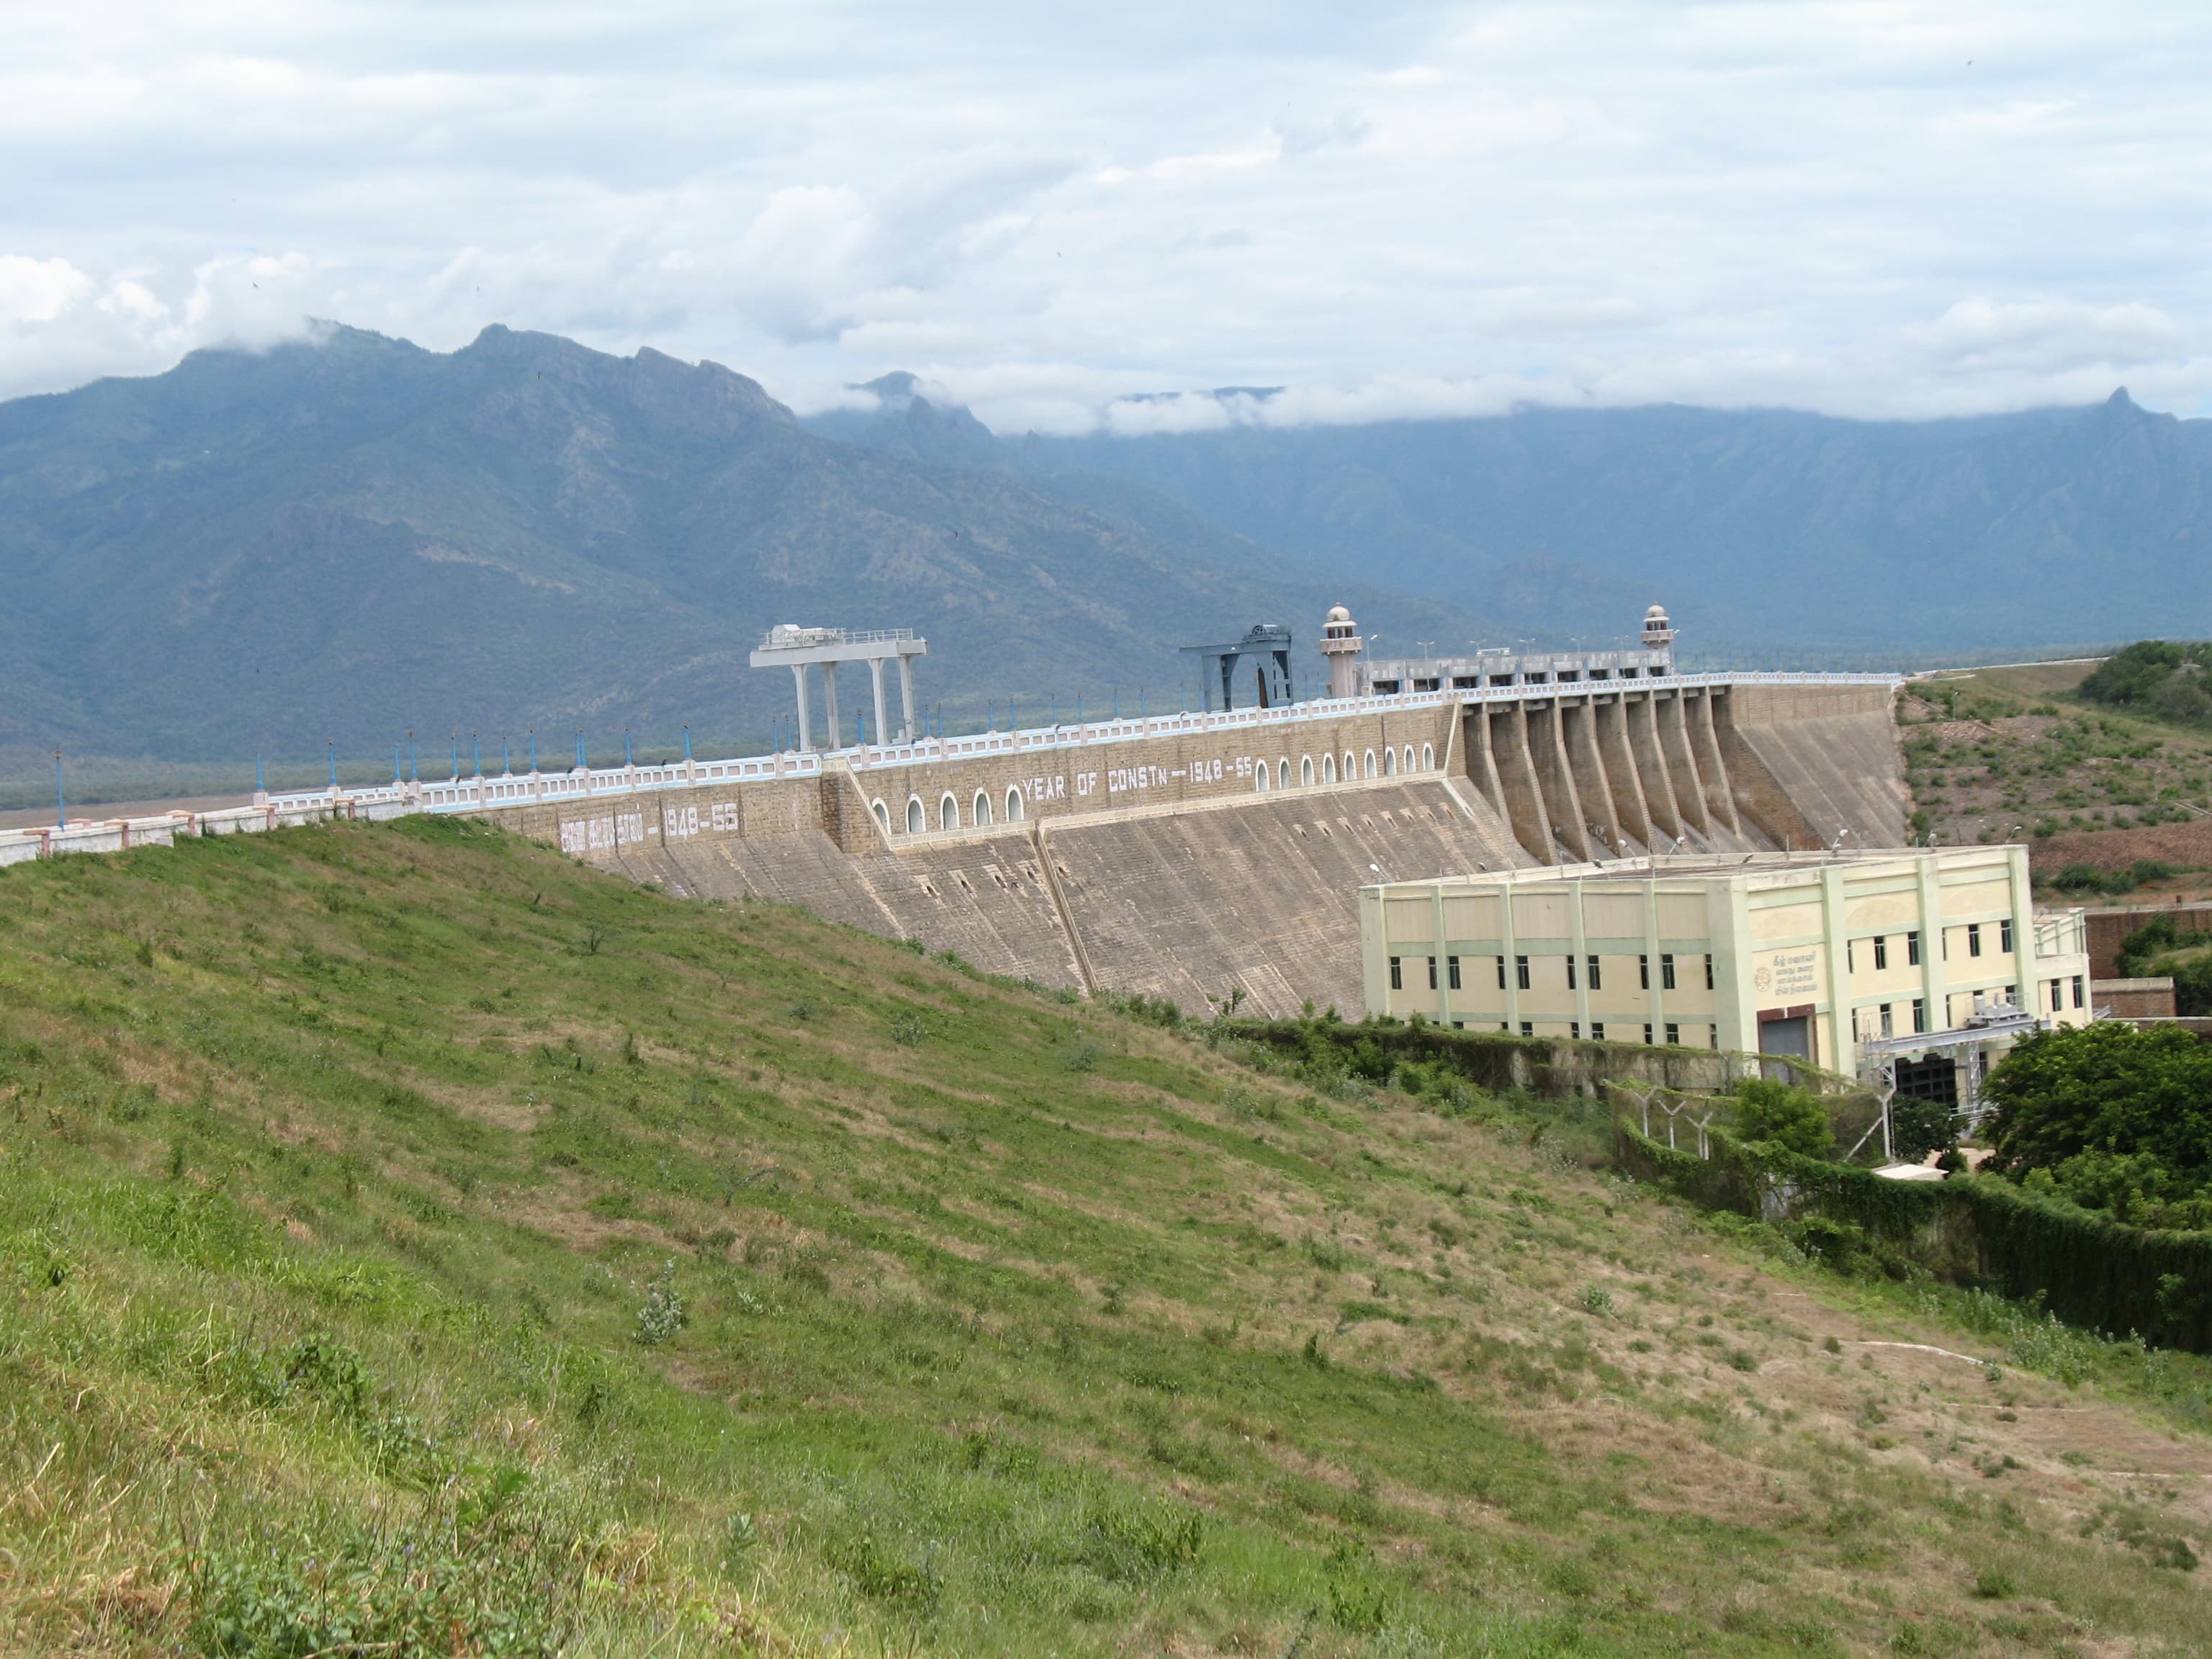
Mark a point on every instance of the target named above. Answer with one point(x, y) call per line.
point(1793, 1037)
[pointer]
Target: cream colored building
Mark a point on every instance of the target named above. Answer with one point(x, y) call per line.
point(1819, 955)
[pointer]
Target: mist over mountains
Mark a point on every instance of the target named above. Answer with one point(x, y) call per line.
point(258, 552)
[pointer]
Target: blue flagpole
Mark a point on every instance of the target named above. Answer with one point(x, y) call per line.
point(687, 743)
point(259, 787)
point(533, 749)
point(476, 744)
point(334, 747)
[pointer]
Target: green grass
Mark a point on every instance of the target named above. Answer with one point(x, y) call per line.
point(413, 1242)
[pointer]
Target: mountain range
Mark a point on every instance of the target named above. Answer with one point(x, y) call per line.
point(344, 539)
point(347, 540)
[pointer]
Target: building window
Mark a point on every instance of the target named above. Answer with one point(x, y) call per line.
point(1305, 771)
point(916, 819)
point(1350, 767)
point(1014, 806)
point(2004, 936)
point(1887, 1028)
point(1919, 1015)
point(1973, 939)
point(2077, 990)
point(1709, 970)
point(1409, 758)
point(1850, 958)
point(1647, 1033)
point(1595, 983)
point(1452, 965)
point(1397, 975)
point(1527, 1030)
point(1432, 973)
point(1912, 949)
point(2057, 995)
point(982, 808)
point(1261, 778)
point(1428, 758)
point(1881, 953)
point(1283, 773)
point(948, 813)
point(1575, 1030)
point(1713, 1036)
point(1328, 769)
point(883, 815)
point(1521, 972)
point(1674, 1035)
point(1597, 1031)
point(1570, 972)
point(1644, 974)
point(1501, 973)
point(2012, 995)
point(1667, 978)
point(1370, 763)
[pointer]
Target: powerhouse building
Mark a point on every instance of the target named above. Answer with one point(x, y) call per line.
point(1849, 960)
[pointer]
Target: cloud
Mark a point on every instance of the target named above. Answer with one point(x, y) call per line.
point(39, 290)
point(1391, 210)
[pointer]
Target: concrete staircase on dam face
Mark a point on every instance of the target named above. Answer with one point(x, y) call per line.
point(1157, 865)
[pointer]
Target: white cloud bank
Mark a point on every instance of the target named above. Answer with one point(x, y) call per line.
point(1864, 207)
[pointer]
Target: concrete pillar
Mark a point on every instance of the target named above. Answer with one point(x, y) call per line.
point(906, 697)
point(829, 704)
point(1549, 750)
point(875, 673)
point(1705, 744)
point(1642, 722)
point(1689, 788)
point(1482, 764)
point(1628, 805)
point(1586, 765)
point(805, 718)
point(1523, 803)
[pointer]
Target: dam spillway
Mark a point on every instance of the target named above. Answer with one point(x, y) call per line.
point(1192, 856)
point(1149, 855)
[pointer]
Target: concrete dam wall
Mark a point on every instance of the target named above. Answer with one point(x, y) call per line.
point(1192, 857)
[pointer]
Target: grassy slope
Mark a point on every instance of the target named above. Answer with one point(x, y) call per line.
point(1992, 748)
point(341, 1169)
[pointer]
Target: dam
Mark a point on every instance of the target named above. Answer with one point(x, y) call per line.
point(1201, 856)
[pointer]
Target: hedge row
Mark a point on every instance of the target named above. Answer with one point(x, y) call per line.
point(1980, 1230)
point(1550, 1067)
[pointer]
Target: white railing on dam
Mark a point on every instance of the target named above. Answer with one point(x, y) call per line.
point(471, 794)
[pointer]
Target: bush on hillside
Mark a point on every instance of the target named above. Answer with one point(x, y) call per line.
point(2086, 878)
point(2162, 678)
point(2114, 1118)
point(1778, 1115)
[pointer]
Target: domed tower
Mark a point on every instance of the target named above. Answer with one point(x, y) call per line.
point(1658, 632)
point(1341, 644)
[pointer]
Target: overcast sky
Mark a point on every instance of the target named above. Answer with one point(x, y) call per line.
point(1865, 209)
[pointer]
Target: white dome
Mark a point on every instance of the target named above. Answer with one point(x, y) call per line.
point(1337, 613)
point(1656, 613)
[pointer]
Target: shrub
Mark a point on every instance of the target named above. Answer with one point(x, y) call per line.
point(663, 1314)
point(1785, 1116)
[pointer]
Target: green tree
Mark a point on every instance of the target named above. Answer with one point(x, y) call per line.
point(2108, 1089)
point(1789, 1117)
